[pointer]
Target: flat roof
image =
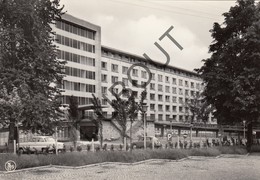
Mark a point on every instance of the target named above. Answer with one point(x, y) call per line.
point(145, 60)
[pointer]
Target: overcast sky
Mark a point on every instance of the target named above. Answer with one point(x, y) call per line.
point(134, 25)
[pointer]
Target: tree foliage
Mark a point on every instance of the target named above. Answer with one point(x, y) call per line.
point(199, 108)
point(232, 73)
point(126, 109)
point(28, 63)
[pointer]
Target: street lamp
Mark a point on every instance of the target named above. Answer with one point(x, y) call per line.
point(171, 119)
point(191, 125)
point(144, 110)
point(244, 122)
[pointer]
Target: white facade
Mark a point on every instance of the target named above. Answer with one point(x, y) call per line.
point(79, 42)
point(166, 93)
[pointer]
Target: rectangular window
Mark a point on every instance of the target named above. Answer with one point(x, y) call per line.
point(180, 100)
point(135, 72)
point(186, 92)
point(160, 107)
point(160, 97)
point(174, 90)
point(125, 81)
point(180, 82)
point(144, 74)
point(90, 88)
point(103, 65)
point(160, 78)
point(174, 99)
point(173, 80)
point(153, 76)
point(167, 89)
point(152, 86)
point(192, 84)
point(166, 79)
point(124, 70)
point(114, 67)
point(167, 108)
point(174, 109)
point(114, 79)
point(152, 97)
point(104, 90)
point(160, 117)
point(152, 107)
point(180, 91)
point(160, 87)
point(103, 77)
point(186, 84)
point(167, 98)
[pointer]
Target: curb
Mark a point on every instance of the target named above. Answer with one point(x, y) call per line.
point(121, 163)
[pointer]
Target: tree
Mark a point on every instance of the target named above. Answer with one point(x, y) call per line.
point(98, 121)
point(126, 109)
point(232, 73)
point(28, 62)
point(74, 119)
point(199, 108)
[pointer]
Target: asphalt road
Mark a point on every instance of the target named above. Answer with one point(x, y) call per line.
point(233, 167)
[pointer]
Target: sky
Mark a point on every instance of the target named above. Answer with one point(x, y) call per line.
point(135, 25)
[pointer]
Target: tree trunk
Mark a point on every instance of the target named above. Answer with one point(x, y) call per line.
point(131, 125)
point(11, 137)
point(249, 136)
point(101, 134)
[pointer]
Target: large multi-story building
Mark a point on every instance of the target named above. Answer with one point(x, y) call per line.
point(92, 68)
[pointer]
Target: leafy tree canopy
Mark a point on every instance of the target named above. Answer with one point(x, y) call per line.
point(232, 73)
point(28, 63)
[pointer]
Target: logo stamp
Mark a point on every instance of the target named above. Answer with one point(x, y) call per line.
point(10, 166)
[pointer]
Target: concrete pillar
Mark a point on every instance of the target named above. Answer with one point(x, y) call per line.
point(179, 132)
point(197, 132)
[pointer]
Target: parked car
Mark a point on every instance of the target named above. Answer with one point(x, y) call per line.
point(140, 143)
point(42, 144)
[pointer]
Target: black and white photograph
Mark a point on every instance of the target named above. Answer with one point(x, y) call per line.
point(129, 89)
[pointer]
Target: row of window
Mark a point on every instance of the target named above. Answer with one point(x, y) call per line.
point(171, 70)
point(168, 108)
point(75, 58)
point(160, 117)
point(74, 86)
point(168, 117)
point(75, 44)
point(81, 100)
point(79, 73)
point(78, 30)
point(144, 74)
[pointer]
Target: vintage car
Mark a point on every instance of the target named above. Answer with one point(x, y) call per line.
point(140, 143)
point(42, 144)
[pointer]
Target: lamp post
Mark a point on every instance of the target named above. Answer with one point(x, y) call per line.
point(244, 123)
point(171, 119)
point(191, 125)
point(144, 109)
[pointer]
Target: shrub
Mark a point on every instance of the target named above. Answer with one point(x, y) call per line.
point(232, 149)
point(78, 159)
point(97, 148)
point(255, 148)
point(79, 148)
point(104, 147)
point(71, 148)
point(88, 147)
point(120, 147)
point(112, 147)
